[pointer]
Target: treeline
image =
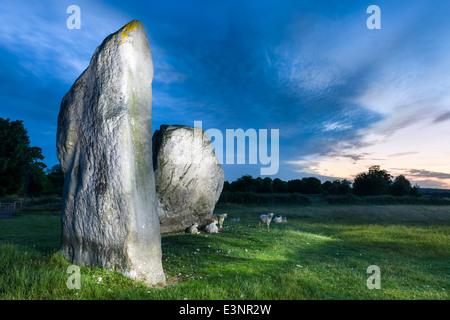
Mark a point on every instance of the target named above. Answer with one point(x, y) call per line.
point(22, 171)
point(309, 185)
point(375, 182)
point(304, 199)
point(376, 186)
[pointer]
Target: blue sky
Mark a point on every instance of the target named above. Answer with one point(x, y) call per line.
point(342, 96)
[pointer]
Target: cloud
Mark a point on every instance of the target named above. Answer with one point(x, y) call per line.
point(354, 157)
point(308, 165)
point(402, 154)
point(335, 126)
point(427, 183)
point(417, 173)
point(36, 33)
point(443, 117)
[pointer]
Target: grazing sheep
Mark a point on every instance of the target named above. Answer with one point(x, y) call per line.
point(280, 219)
point(220, 218)
point(235, 220)
point(265, 218)
point(192, 229)
point(212, 228)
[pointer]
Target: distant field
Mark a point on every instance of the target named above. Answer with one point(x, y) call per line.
point(322, 252)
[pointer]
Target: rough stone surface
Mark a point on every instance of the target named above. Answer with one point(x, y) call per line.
point(188, 176)
point(110, 213)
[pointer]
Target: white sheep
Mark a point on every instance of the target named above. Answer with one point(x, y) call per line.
point(212, 228)
point(192, 228)
point(280, 219)
point(265, 218)
point(220, 218)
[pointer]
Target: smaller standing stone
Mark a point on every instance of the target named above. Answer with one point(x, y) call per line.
point(188, 176)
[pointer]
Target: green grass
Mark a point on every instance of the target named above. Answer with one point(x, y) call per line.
point(321, 253)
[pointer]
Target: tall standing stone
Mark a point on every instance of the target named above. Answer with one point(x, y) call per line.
point(110, 213)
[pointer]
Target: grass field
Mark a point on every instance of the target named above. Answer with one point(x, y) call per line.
point(322, 252)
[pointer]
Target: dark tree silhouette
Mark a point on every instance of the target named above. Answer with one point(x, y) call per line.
point(267, 185)
point(295, 185)
point(21, 170)
point(55, 178)
point(311, 185)
point(373, 183)
point(401, 187)
point(279, 186)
